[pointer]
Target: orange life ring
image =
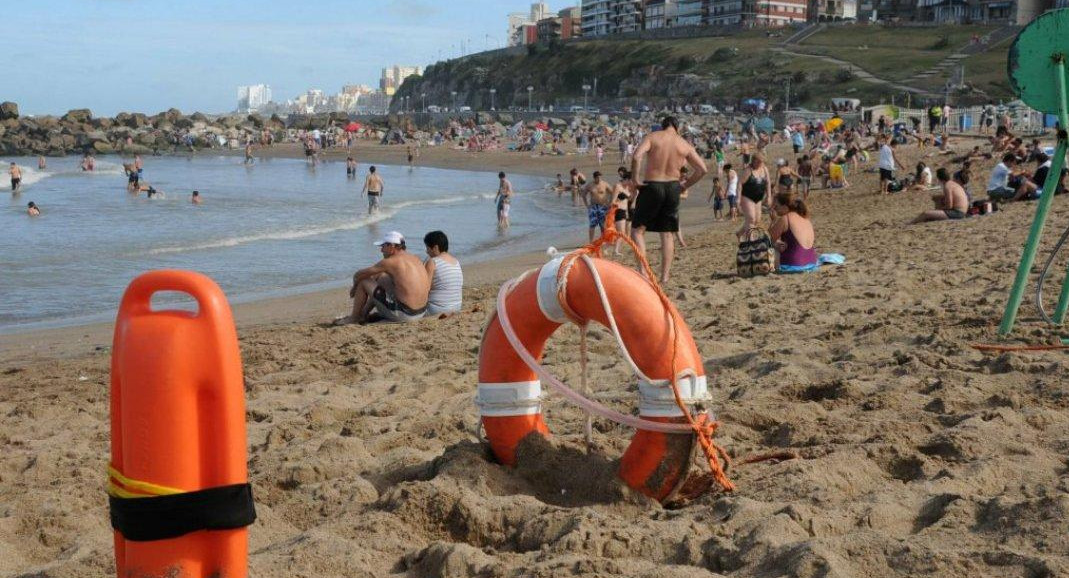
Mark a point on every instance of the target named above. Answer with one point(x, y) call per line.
point(177, 422)
point(509, 391)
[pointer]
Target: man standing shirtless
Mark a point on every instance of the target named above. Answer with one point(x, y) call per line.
point(657, 205)
point(16, 177)
point(394, 289)
point(597, 196)
point(373, 186)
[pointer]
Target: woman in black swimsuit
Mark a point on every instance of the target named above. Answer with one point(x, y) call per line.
point(756, 189)
point(785, 175)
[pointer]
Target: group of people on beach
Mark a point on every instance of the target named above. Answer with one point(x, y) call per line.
point(403, 288)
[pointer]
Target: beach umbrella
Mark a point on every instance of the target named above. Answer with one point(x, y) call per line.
point(833, 123)
point(352, 127)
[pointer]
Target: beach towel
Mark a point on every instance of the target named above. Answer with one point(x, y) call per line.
point(824, 259)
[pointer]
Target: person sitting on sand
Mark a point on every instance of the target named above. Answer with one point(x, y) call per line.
point(395, 289)
point(1007, 183)
point(196, 200)
point(447, 279)
point(792, 231)
point(951, 204)
point(33, 210)
point(922, 178)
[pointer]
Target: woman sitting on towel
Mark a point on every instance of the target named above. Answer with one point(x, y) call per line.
point(792, 231)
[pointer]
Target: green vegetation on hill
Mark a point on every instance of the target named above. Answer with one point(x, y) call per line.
point(717, 70)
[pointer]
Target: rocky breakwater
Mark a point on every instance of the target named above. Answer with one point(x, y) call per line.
point(79, 132)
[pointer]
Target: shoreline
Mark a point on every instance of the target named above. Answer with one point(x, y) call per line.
point(322, 305)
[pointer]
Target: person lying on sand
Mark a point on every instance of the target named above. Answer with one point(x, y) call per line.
point(394, 289)
point(951, 204)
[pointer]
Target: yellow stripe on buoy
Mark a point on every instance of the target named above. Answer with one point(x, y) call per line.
point(130, 488)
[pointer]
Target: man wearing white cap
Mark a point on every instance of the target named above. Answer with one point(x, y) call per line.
point(394, 289)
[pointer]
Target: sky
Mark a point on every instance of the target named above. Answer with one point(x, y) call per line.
point(150, 55)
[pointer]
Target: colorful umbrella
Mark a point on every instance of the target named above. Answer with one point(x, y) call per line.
point(352, 127)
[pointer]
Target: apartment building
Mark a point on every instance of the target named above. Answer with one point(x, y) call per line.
point(567, 24)
point(601, 17)
point(691, 12)
point(832, 10)
point(596, 19)
point(660, 14)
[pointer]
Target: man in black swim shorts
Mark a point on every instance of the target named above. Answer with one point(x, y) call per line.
point(657, 206)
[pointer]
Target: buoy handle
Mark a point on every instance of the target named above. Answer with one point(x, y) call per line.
point(209, 297)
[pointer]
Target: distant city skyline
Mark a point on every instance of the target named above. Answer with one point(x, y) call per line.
point(117, 55)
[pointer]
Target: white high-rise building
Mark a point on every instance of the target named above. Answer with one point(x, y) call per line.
point(254, 97)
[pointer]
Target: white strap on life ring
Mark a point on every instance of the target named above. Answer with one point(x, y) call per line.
point(509, 399)
point(589, 405)
point(546, 290)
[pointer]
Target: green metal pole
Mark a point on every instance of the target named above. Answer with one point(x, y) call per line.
point(1059, 160)
point(1028, 258)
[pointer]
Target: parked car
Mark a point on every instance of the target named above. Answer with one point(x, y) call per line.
point(465, 109)
point(434, 108)
point(707, 109)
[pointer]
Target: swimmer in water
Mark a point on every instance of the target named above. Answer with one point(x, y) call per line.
point(41, 162)
point(196, 198)
point(32, 210)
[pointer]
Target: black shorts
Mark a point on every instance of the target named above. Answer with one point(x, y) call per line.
point(621, 215)
point(15, 183)
point(657, 207)
point(797, 148)
point(134, 178)
point(954, 214)
point(886, 175)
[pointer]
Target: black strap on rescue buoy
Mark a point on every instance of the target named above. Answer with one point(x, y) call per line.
point(147, 519)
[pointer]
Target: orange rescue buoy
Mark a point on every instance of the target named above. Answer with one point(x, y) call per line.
point(178, 482)
point(509, 391)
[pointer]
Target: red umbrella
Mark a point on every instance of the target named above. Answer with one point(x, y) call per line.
point(352, 127)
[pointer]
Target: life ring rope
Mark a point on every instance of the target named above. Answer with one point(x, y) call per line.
point(700, 425)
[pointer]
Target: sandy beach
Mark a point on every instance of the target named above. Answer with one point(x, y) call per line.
point(917, 454)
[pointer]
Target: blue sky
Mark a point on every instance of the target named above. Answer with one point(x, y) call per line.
point(149, 55)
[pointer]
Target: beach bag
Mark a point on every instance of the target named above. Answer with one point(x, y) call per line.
point(895, 186)
point(756, 254)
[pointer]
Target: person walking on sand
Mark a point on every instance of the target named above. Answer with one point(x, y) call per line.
point(596, 197)
point(395, 289)
point(410, 155)
point(656, 168)
point(373, 187)
point(503, 201)
point(756, 191)
point(16, 178)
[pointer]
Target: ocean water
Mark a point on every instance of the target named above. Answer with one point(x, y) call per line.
point(275, 227)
